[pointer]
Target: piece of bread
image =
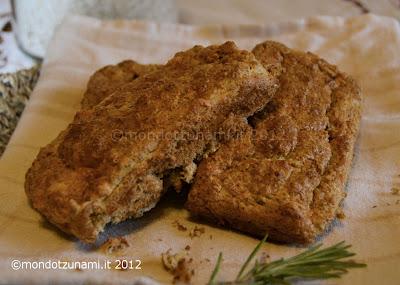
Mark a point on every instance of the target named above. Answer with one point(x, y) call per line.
point(286, 175)
point(111, 161)
point(111, 77)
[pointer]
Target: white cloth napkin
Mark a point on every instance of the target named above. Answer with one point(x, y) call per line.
point(367, 47)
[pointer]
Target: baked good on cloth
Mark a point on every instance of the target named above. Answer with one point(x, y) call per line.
point(110, 162)
point(286, 175)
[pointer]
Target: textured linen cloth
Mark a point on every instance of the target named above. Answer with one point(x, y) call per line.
point(367, 47)
point(271, 11)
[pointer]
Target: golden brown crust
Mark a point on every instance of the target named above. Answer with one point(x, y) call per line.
point(111, 77)
point(286, 175)
point(109, 164)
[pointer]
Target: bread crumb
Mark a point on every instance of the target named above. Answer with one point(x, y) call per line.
point(168, 260)
point(374, 206)
point(115, 245)
point(187, 247)
point(196, 232)
point(340, 214)
point(179, 265)
point(395, 191)
point(179, 226)
point(183, 273)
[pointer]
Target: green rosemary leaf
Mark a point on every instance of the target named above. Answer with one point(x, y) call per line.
point(216, 269)
point(313, 263)
point(251, 256)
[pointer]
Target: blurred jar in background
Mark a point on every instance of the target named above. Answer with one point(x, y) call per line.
point(35, 20)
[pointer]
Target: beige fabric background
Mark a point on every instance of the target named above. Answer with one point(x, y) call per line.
point(368, 47)
point(270, 11)
point(230, 12)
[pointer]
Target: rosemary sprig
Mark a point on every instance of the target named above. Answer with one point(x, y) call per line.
point(216, 269)
point(313, 263)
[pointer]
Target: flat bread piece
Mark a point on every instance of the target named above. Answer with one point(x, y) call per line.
point(286, 175)
point(111, 161)
point(110, 78)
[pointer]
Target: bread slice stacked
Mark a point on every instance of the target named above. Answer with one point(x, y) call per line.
point(266, 139)
point(110, 162)
point(286, 175)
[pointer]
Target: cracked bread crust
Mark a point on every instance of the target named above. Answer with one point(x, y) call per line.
point(109, 164)
point(286, 176)
point(111, 77)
